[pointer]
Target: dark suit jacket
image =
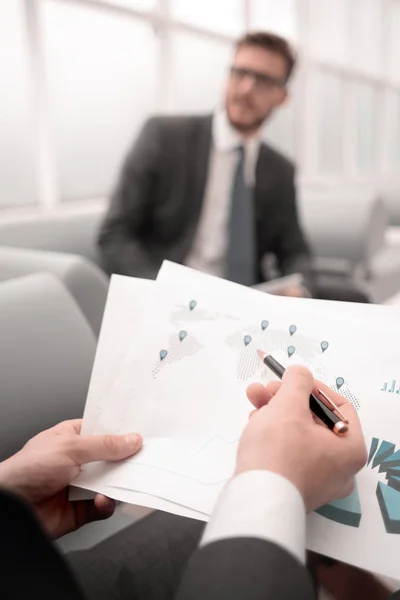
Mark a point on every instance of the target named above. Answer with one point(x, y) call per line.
point(236, 569)
point(230, 570)
point(156, 207)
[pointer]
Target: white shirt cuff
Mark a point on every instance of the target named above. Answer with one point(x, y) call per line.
point(262, 505)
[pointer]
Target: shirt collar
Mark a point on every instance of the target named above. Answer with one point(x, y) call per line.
point(226, 138)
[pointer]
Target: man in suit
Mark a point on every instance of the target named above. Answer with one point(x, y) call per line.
point(254, 546)
point(205, 191)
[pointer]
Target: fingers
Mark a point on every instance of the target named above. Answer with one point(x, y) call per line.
point(86, 511)
point(296, 387)
point(273, 386)
point(345, 406)
point(338, 399)
point(92, 448)
point(104, 507)
point(258, 395)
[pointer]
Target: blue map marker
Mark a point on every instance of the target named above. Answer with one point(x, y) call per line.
point(182, 335)
point(163, 354)
point(291, 350)
point(247, 339)
point(292, 329)
point(339, 382)
point(264, 325)
point(324, 346)
point(192, 304)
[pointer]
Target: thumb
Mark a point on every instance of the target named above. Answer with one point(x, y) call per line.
point(294, 392)
point(91, 448)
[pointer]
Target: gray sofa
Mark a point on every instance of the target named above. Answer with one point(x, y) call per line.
point(348, 234)
point(63, 244)
point(45, 373)
point(71, 230)
point(86, 282)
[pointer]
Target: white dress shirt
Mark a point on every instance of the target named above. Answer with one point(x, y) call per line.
point(262, 505)
point(209, 249)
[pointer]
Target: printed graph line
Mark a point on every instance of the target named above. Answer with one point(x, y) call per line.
point(203, 447)
point(139, 464)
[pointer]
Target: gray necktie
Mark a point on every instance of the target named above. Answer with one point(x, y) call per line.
point(241, 256)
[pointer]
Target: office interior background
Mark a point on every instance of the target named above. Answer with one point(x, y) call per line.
point(79, 77)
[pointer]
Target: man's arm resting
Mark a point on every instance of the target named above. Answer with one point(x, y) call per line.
point(120, 246)
point(253, 546)
point(291, 249)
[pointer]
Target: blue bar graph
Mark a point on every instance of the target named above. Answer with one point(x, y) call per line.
point(392, 388)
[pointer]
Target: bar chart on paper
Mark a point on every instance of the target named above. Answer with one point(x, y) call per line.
point(391, 387)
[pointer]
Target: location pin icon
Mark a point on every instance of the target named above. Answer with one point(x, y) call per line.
point(291, 350)
point(264, 325)
point(163, 354)
point(192, 304)
point(182, 335)
point(292, 329)
point(339, 382)
point(324, 346)
point(247, 339)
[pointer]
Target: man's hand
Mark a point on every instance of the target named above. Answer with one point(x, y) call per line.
point(282, 436)
point(295, 291)
point(46, 465)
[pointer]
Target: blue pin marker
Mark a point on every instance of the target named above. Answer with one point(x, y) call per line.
point(292, 329)
point(324, 346)
point(182, 335)
point(192, 304)
point(247, 339)
point(264, 325)
point(291, 350)
point(339, 382)
point(163, 354)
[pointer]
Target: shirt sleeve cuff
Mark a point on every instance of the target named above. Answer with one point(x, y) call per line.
point(263, 505)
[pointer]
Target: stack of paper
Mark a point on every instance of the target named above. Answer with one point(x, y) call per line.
point(174, 359)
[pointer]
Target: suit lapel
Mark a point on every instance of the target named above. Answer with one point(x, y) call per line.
point(199, 148)
point(200, 156)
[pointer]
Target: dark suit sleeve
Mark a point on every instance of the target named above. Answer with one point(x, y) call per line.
point(30, 565)
point(291, 249)
point(245, 568)
point(130, 209)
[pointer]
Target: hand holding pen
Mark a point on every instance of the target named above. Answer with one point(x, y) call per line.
point(283, 437)
point(321, 404)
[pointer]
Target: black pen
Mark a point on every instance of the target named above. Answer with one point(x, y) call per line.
point(339, 426)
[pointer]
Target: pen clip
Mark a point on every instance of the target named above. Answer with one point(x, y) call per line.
point(333, 406)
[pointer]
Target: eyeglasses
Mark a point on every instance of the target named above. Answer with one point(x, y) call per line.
point(262, 80)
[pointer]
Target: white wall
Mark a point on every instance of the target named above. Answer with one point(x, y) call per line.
point(80, 76)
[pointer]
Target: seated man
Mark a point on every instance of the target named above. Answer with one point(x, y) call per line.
point(205, 191)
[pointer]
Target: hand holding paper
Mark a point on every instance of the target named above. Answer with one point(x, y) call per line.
point(199, 333)
point(43, 469)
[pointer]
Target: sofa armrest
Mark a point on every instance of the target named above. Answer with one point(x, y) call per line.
point(84, 280)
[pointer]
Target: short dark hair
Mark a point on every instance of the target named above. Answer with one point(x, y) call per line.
point(273, 43)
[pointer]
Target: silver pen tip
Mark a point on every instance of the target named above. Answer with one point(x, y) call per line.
point(261, 354)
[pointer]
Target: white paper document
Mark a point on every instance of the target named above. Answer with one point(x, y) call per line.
point(180, 377)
